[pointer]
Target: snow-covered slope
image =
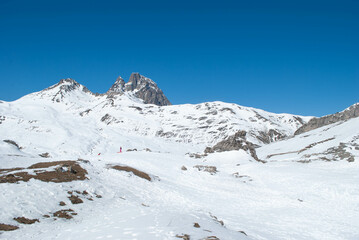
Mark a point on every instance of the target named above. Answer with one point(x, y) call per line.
point(63, 111)
point(334, 142)
point(154, 189)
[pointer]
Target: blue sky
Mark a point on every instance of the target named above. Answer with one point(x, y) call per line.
point(299, 57)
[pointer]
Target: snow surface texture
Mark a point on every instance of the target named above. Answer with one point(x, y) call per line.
point(308, 189)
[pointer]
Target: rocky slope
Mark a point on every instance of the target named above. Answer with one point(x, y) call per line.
point(350, 112)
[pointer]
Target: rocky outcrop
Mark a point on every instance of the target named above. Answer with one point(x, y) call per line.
point(142, 87)
point(271, 135)
point(117, 87)
point(351, 112)
point(235, 142)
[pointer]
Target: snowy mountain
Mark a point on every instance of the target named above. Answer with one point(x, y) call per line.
point(128, 165)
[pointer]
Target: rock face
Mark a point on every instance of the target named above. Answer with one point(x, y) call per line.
point(235, 142)
point(351, 112)
point(142, 87)
point(117, 87)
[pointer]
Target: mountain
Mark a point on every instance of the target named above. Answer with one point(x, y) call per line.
point(118, 165)
point(142, 87)
point(73, 108)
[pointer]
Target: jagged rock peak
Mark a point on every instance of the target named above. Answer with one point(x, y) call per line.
point(142, 87)
point(137, 82)
point(350, 112)
point(117, 87)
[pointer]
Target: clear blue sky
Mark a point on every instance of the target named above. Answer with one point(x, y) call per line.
point(300, 57)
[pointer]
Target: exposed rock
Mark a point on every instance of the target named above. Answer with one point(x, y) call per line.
point(216, 219)
point(211, 169)
point(243, 232)
point(64, 213)
point(136, 172)
point(340, 153)
point(62, 203)
point(45, 155)
point(132, 150)
point(211, 238)
point(66, 171)
point(65, 86)
point(184, 236)
point(7, 227)
point(351, 112)
point(12, 143)
point(235, 142)
point(24, 220)
point(196, 225)
point(142, 87)
point(75, 199)
point(117, 88)
point(183, 168)
point(270, 136)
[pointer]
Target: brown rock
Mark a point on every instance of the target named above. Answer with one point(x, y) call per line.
point(24, 220)
point(75, 199)
point(7, 227)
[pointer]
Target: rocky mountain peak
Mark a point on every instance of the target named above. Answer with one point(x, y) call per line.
point(142, 87)
point(117, 87)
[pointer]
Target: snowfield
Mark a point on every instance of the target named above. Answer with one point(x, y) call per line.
point(307, 189)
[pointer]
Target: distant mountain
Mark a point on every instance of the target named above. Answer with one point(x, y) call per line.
point(138, 86)
point(142, 87)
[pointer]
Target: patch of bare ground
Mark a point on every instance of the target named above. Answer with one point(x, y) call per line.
point(75, 199)
point(66, 171)
point(211, 169)
point(136, 172)
point(66, 213)
point(7, 227)
point(25, 220)
point(184, 236)
point(196, 225)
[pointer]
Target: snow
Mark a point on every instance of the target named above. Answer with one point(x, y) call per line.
point(281, 199)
